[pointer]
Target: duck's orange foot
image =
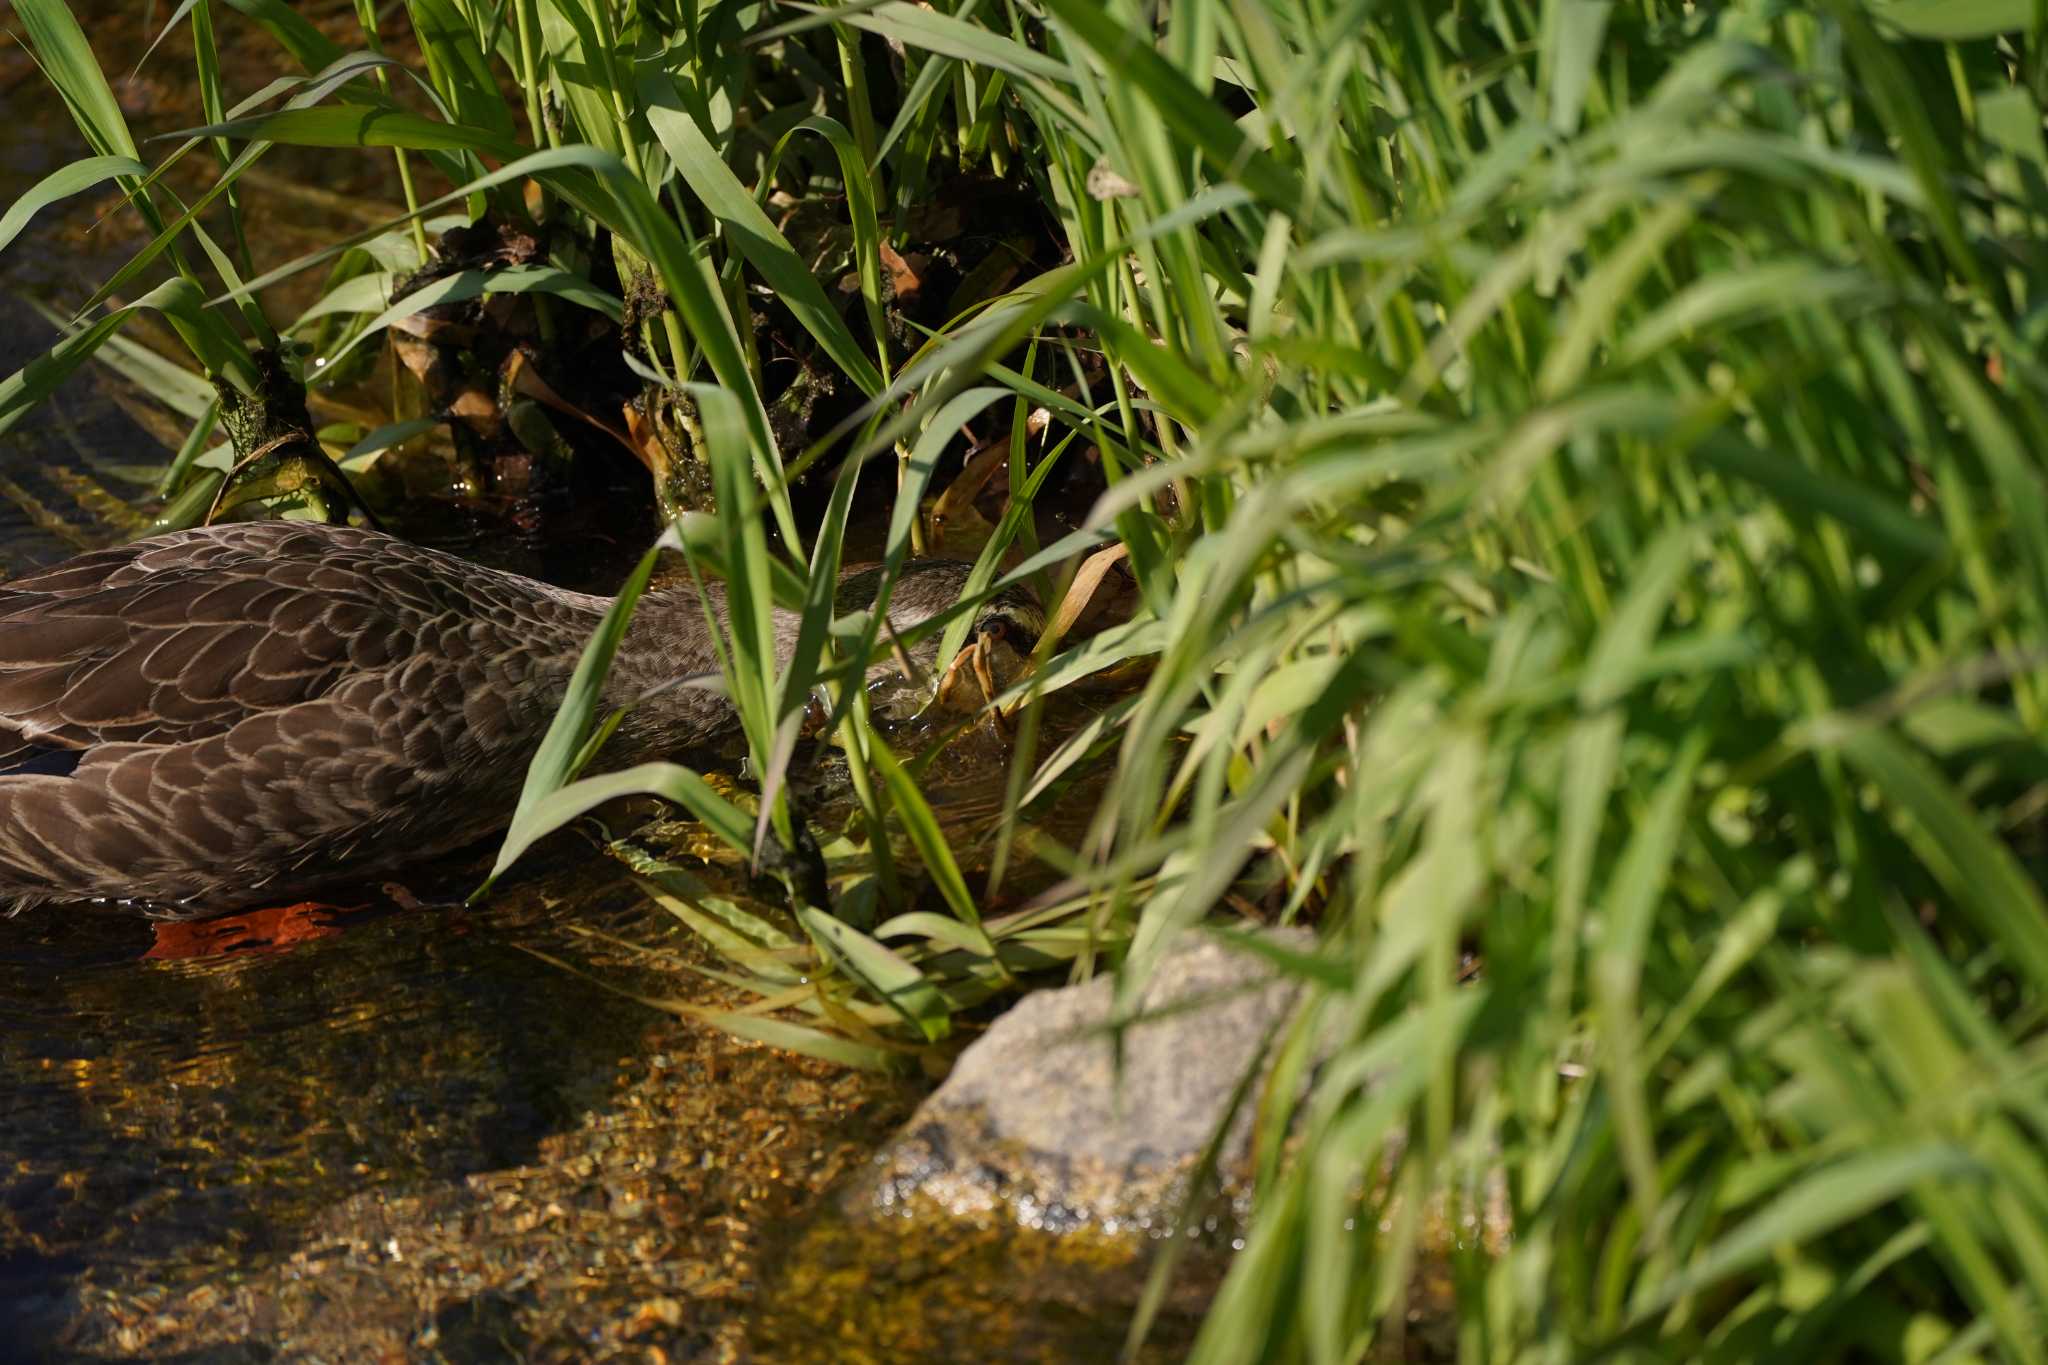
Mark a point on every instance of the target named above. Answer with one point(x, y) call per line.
point(252, 931)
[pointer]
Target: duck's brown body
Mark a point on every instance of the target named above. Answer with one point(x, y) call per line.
point(232, 715)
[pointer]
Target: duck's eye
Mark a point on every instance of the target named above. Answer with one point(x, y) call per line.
point(1010, 628)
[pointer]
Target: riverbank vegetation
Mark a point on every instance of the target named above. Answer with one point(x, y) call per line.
point(1579, 465)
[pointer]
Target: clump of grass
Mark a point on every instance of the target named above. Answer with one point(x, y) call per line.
point(1604, 562)
point(1580, 468)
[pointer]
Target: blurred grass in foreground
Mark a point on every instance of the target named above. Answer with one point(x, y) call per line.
point(1692, 687)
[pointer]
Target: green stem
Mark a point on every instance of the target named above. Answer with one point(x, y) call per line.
point(608, 39)
point(654, 351)
point(917, 545)
point(608, 36)
point(863, 117)
point(412, 202)
point(529, 72)
point(527, 40)
point(207, 55)
point(366, 19)
point(852, 738)
point(678, 348)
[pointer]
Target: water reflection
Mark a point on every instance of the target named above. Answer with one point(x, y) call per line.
point(160, 1109)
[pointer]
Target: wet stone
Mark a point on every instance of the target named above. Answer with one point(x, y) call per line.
point(1036, 1124)
point(1021, 1212)
point(1018, 1213)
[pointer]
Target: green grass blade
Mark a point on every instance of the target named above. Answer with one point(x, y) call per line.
point(1822, 1201)
point(882, 972)
point(930, 841)
point(62, 183)
point(755, 236)
point(66, 57)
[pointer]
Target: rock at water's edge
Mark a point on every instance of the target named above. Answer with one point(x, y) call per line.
point(1036, 1122)
point(1022, 1202)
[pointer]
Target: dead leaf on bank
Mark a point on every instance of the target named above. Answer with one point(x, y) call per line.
point(1081, 592)
point(440, 331)
point(424, 360)
point(644, 442)
point(661, 1312)
point(478, 410)
point(951, 505)
point(1104, 183)
point(955, 507)
point(904, 277)
point(934, 221)
point(997, 271)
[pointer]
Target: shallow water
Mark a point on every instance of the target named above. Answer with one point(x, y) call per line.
point(164, 1116)
point(336, 1147)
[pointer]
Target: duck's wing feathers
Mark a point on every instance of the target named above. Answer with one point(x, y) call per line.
point(180, 638)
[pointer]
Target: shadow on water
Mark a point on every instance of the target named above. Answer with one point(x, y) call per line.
point(407, 1136)
point(200, 1109)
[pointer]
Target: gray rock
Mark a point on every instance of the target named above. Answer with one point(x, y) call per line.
point(1045, 1179)
point(1036, 1124)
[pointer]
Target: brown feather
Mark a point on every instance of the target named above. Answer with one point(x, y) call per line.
point(223, 716)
